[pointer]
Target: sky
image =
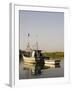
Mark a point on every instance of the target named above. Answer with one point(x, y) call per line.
point(46, 28)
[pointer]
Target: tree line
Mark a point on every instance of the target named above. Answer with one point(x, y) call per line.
point(54, 55)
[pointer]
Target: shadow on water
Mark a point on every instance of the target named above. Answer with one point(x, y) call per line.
point(37, 68)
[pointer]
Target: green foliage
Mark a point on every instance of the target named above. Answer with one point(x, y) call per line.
point(54, 55)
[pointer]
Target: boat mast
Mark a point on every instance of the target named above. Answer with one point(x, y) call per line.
point(28, 44)
point(36, 42)
point(36, 45)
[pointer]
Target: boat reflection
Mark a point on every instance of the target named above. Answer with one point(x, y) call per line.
point(38, 68)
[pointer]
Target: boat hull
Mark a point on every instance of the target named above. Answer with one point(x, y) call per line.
point(29, 60)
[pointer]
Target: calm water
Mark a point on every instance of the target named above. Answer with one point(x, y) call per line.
point(28, 73)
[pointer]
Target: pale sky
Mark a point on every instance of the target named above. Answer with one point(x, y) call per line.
point(45, 27)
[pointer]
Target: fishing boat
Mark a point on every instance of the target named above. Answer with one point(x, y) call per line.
point(30, 59)
point(34, 56)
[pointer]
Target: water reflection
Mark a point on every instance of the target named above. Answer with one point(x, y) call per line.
point(29, 70)
point(37, 68)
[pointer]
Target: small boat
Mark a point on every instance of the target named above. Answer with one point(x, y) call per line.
point(52, 61)
point(49, 62)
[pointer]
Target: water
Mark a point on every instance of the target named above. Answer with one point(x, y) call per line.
point(29, 72)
